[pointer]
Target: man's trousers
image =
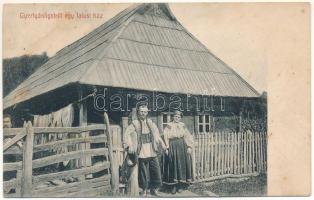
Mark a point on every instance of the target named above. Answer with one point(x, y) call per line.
point(149, 173)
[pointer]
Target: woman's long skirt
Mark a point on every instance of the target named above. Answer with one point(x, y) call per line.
point(178, 164)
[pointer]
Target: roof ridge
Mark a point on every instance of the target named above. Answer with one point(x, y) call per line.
point(137, 9)
point(156, 8)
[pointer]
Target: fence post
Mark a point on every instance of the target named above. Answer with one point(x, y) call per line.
point(26, 189)
point(19, 173)
point(232, 153)
point(199, 156)
point(217, 153)
point(193, 159)
point(19, 177)
point(229, 153)
point(113, 164)
point(250, 152)
point(265, 151)
point(196, 124)
point(261, 151)
point(240, 122)
point(238, 153)
point(125, 123)
point(85, 161)
point(212, 150)
point(223, 152)
point(258, 153)
point(244, 139)
point(200, 173)
point(235, 158)
point(207, 154)
point(253, 152)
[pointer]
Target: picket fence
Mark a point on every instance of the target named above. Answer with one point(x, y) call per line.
point(229, 154)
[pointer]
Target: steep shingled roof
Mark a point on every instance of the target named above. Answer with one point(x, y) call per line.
point(143, 47)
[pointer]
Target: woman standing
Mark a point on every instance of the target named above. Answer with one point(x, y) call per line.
point(178, 161)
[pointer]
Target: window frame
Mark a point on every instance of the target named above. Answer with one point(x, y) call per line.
point(169, 116)
point(203, 123)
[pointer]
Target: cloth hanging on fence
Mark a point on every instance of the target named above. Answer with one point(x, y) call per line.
point(42, 121)
point(67, 116)
point(61, 118)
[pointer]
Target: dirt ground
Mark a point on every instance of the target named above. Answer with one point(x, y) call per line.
point(232, 187)
point(229, 187)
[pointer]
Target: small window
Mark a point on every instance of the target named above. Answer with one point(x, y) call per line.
point(200, 129)
point(207, 127)
point(204, 123)
point(166, 118)
point(222, 104)
point(206, 118)
point(201, 118)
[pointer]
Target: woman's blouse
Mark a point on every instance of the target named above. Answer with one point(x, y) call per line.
point(177, 130)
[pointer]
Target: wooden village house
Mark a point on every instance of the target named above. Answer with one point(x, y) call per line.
point(142, 53)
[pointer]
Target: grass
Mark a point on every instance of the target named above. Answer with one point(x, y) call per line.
point(233, 187)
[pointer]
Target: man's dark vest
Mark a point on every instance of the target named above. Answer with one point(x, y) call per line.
point(138, 130)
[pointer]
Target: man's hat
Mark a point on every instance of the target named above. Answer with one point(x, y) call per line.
point(141, 104)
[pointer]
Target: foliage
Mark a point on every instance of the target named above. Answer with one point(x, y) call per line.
point(17, 69)
point(226, 123)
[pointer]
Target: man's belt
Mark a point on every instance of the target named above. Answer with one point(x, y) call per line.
point(176, 138)
point(146, 138)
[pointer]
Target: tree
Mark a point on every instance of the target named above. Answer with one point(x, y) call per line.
point(17, 69)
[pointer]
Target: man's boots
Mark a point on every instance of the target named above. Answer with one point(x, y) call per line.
point(154, 192)
point(143, 193)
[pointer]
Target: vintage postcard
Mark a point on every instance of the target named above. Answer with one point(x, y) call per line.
point(156, 100)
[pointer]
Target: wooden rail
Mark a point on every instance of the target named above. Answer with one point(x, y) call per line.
point(12, 131)
point(28, 184)
point(68, 156)
point(70, 173)
point(72, 141)
point(68, 129)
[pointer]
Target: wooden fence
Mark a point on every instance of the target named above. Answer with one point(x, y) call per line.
point(34, 178)
point(216, 155)
point(229, 154)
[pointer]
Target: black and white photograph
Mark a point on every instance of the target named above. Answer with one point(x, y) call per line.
point(136, 99)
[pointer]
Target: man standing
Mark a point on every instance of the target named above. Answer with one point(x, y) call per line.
point(7, 123)
point(142, 138)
